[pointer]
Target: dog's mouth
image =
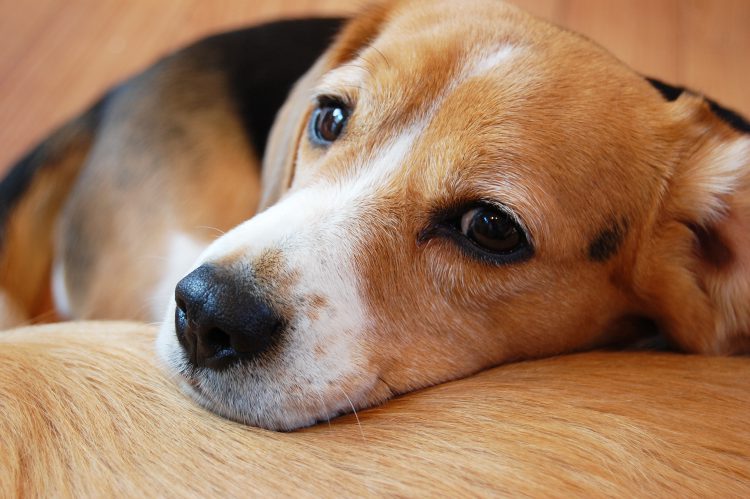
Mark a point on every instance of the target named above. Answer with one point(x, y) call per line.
point(252, 394)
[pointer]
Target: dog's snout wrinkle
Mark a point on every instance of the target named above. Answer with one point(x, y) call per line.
point(221, 318)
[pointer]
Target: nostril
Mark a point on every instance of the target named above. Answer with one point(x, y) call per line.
point(219, 341)
point(216, 350)
point(181, 305)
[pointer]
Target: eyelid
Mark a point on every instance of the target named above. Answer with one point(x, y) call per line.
point(456, 211)
point(332, 99)
point(446, 220)
point(512, 214)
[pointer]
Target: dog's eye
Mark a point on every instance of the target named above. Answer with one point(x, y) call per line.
point(492, 230)
point(328, 121)
point(482, 230)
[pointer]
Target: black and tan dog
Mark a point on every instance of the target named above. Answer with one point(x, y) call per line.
point(449, 187)
point(122, 199)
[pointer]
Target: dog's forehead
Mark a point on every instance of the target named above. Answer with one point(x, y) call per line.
point(483, 101)
point(423, 52)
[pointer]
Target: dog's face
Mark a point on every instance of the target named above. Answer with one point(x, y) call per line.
point(464, 186)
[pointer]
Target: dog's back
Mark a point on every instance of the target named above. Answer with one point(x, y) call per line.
point(86, 412)
point(151, 173)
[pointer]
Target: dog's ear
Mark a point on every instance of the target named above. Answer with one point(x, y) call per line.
point(693, 266)
point(283, 140)
point(290, 123)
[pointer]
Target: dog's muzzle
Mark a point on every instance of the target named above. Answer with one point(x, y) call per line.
point(222, 319)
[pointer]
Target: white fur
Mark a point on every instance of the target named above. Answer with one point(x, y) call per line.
point(60, 295)
point(182, 253)
point(311, 227)
point(487, 61)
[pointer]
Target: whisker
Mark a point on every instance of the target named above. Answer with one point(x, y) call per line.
point(391, 393)
point(356, 416)
point(387, 63)
point(216, 229)
point(322, 406)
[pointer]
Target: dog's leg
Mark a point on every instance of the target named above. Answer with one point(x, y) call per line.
point(31, 197)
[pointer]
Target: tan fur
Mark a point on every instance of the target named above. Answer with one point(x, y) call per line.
point(574, 141)
point(27, 249)
point(695, 266)
point(636, 208)
point(86, 413)
point(187, 169)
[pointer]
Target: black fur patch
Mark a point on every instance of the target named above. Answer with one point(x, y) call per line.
point(263, 63)
point(669, 92)
point(732, 118)
point(607, 242)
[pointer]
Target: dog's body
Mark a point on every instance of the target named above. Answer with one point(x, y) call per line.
point(501, 190)
point(86, 412)
point(179, 146)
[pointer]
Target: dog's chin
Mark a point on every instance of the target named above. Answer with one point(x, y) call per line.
point(251, 394)
point(192, 387)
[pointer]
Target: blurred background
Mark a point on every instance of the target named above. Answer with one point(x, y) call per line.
point(57, 56)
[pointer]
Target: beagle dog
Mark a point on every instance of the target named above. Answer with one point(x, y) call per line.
point(449, 187)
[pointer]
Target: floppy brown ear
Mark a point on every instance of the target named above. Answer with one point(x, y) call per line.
point(283, 140)
point(290, 123)
point(693, 270)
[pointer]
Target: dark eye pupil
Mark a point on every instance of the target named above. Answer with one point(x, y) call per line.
point(328, 123)
point(493, 230)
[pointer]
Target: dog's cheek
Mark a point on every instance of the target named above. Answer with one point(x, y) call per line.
point(417, 335)
point(438, 316)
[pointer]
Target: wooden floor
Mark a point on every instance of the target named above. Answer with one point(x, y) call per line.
point(58, 55)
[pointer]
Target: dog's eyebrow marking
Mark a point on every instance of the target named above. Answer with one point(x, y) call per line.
point(608, 241)
point(349, 75)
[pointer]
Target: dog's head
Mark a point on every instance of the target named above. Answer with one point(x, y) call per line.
point(460, 185)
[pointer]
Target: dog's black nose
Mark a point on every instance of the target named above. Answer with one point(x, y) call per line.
point(220, 318)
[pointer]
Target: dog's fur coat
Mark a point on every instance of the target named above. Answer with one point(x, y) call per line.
point(85, 412)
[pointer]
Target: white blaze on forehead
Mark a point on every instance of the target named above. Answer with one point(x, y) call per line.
point(488, 60)
point(392, 158)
